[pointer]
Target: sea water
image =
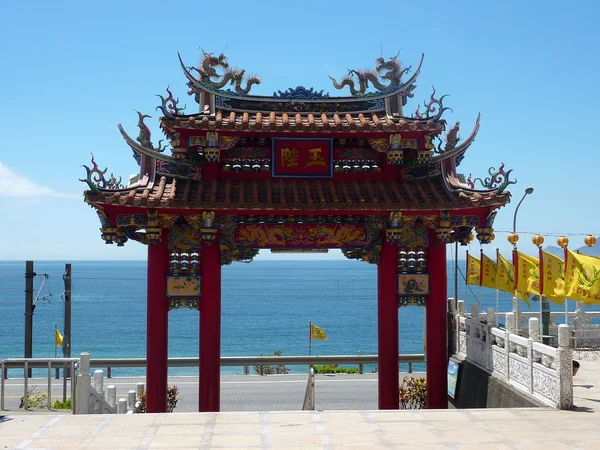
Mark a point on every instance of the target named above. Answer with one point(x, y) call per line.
point(266, 306)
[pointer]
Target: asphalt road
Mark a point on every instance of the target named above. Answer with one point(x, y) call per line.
point(243, 393)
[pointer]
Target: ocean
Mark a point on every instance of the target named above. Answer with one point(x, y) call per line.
point(266, 306)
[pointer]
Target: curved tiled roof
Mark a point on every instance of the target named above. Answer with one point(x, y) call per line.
point(275, 121)
point(283, 195)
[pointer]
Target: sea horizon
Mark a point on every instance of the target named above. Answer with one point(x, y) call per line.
point(266, 307)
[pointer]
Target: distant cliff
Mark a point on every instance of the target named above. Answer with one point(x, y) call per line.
point(585, 250)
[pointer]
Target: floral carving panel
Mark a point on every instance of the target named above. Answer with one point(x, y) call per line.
point(544, 384)
point(301, 236)
point(519, 371)
point(499, 361)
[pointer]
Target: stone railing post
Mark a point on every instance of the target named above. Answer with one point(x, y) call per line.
point(491, 323)
point(451, 306)
point(510, 322)
point(510, 328)
point(131, 401)
point(99, 381)
point(122, 406)
point(491, 317)
point(475, 312)
point(564, 367)
point(111, 395)
point(460, 308)
point(460, 312)
point(84, 383)
point(534, 329)
point(530, 362)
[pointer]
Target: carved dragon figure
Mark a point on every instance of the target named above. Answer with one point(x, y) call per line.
point(235, 77)
point(208, 64)
point(364, 77)
point(394, 69)
point(451, 139)
point(145, 135)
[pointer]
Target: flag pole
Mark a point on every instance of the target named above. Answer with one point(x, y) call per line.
point(516, 304)
point(309, 336)
point(566, 256)
point(55, 328)
point(542, 286)
point(497, 292)
point(480, 276)
point(467, 280)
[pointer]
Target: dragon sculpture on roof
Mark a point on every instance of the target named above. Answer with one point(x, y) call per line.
point(364, 77)
point(209, 75)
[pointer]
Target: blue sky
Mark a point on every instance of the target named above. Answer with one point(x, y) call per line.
point(73, 70)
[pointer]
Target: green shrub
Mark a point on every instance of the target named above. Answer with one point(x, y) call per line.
point(334, 368)
point(279, 369)
point(172, 398)
point(413, 393)
point(34, 399)
point(62, 405)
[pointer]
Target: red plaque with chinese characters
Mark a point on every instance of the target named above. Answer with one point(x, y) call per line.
point(303, 158)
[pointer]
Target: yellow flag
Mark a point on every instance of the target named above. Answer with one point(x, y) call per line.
point(58, 338)
point(583, 278)
point(528, 278)
point(554, 277)
point(473, 270)
point(488, 272)
point(317, 333)
point(505, 277)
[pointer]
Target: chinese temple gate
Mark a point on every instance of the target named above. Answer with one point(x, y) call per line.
point(297, 170)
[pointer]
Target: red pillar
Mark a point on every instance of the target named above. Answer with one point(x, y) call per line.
point(387, 318)
point(435, 313)
point(210, 328)
point(157, 328)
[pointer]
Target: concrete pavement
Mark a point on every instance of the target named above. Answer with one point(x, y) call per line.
point(522, 429)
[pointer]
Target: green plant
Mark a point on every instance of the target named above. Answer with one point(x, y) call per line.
point(172, 398)
point(279, 369)
point(334, 368)
point(413, 393)
point(34, 399)
point(62, 405)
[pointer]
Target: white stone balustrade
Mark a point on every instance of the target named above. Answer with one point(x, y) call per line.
point(536, 369)
point(90, 399)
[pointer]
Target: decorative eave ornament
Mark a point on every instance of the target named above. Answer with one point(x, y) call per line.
point(498, 180)
point(96, 181)
point(209, 77)
point(393, 77)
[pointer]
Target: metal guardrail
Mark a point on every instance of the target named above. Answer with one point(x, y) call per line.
point(250, 361)
point(36, 363)
point(230, 361)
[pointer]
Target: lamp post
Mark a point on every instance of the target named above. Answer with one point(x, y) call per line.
point(513, 238)
point(528, 191)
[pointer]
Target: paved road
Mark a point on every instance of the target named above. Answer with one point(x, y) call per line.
point(244, 393)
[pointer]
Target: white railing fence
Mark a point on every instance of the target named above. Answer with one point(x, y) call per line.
point(539, 370)
point(93, 399)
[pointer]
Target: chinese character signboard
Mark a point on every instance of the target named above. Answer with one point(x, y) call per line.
point(183, 286)
point(413, 284)
point(312, 158)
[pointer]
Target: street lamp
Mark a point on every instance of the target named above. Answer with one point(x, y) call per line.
point(513, 238)
point(528, 191)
